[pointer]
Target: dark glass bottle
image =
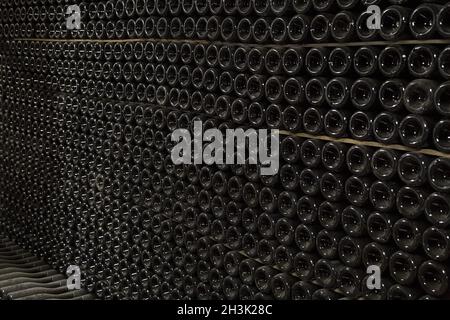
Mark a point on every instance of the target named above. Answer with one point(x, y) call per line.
point(351, 250)
point(325, 5)
point(329, 215)
point(419, 96)
point(305, 237)
point(411, 201)
point(441, 97)
point(357, 190)
point(307, 208)
point(394, 22)
point(415, 131)
point(298, 27)
point(313, 119)
point(284, 231)
point(349, 282)
point(273, 61)
point(441, 136)
point(289, 177)
point(375, 254)
point(249, 244)
point(266, 225)
point(292, 119)
point(284, 258)
point(316, 61)
point(278, 30)
point(399, 292)
point(310, 181)
point(382, 195)
point(336, 123)
point(320, 29)
point(268, 199)
point(385, 127)
point(354, 221)
point(358, 160)
point(365, 61)
point(438, 174)
point(263, 276)
point(326, 272)
point(334, 156)
point(266, 249)
point(311, 153)
point(247, 269)
point(412, 169)
point(281, 286)
point(315, 91)
point(444, 63)
point(303, 290)
point(337, 92)
point(422, 61)
point(423, 21)
point(327, 243)
point(332, 186)
point(255, 60)
point(436, 243)
point(250, 194)
point(304, 265)
point(302, 6)
point(364, 93)
point(407, 234)
point(293, 91)
point(434, 278)
point(392, 61)
point(343, 27)
point(231, 287)
point(437, 209)
point(384, 164)
point(340, 61)
point(442, 21)
point(362, 30)
point(290, 149)
point(403, 267)
point(391, 94)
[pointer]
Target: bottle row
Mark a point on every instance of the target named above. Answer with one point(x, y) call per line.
point(188, 262)
point(404, 268)
point(242, 203)
point(333, 155)
point(42, 9)
point(307, 266)
point(232, 270)
point(411, 200)
point(170, 85)
point(223, 274)
point(174, 86)
point(423, 61)
point(398, 261)
point(413, 169)
point(418, 96)
point(384, 164)
point(396, 23)
point(413, 130)
point(110, 10)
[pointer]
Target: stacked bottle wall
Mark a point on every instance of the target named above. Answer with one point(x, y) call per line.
point(86, 173)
